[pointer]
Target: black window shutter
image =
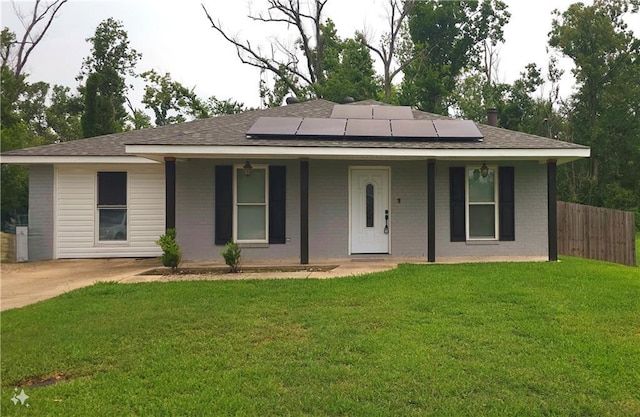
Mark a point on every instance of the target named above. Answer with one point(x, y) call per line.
point(457, 204)
point(224, 204)
point(277, 203)
point(112, 188)
point(506, 198)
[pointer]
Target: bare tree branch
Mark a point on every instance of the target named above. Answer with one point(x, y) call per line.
point(288, 66)
point(386, 51)
point(254, 58)
point(31, 39)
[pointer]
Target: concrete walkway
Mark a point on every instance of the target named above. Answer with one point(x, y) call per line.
point(27, 283)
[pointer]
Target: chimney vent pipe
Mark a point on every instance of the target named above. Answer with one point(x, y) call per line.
point(492, 116)
point(292, 100)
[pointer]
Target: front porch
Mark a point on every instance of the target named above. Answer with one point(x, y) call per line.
point(317, 210)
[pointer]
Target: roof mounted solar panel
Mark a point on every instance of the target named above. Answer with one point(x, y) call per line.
point(392, 112)
point(368, 128)
point(351, 111)
point(414, 129)
point(321, 127)
point(354, 129)
point(457, 129)
point(275, 126)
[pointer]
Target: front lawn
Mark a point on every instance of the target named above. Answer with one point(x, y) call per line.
point(523, 339)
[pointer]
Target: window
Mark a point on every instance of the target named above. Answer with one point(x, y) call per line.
point(112, 206)
point(251, 205)
point(226, 213)
point(370, 204)
point(481, 204)
point(482, 208)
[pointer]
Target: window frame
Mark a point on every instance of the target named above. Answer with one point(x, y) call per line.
point(238, 170)
point(99, 207)
point(495, 203)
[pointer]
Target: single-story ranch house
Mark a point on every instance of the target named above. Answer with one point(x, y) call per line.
point(302, 182)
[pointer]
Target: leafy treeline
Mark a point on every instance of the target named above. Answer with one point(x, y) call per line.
point(438, 56)
point(36, 113)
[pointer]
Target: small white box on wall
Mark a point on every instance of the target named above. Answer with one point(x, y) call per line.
point(22, 243)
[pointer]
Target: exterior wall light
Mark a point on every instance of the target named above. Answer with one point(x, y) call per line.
point(484, 170)
point(247, 168)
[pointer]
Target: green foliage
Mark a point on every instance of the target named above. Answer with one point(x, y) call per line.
point(217, 107)
point(63, 114)
point(605, 107)
point(138, 119)
point(516, 339)
point(15, 190)
point(274, 96)
point(14, 134)
point(100, 107)
point(447, 38)
point(110, 50)
point(517, 108)
point(169, 100)
point(337, 68)
point(105, 71)
point(12, 88)
point(349, 69)
point(231, 255)
point(171, 255)
point(172, 102)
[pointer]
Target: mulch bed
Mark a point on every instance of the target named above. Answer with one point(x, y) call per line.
point(220, 270)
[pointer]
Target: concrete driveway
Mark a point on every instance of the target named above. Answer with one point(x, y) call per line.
point(27, 283)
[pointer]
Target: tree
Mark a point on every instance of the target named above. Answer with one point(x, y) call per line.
point(216, 107)
point(63, 114)
point(605, 109)
point(448, 38)
point(301, 69)
point(105, 72)
point(15, 132)
point(15, 53)
point(170, 101)
point(348, 68)
point(299, 72)
point(392, 46)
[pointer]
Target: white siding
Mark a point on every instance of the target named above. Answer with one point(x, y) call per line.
point(76, 213)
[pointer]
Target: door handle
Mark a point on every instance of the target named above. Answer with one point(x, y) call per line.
point(386, 222)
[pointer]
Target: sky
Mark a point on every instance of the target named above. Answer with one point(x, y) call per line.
point(176, 37)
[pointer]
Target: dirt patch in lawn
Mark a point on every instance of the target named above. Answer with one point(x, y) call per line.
point(221, 270)
point(43, 381)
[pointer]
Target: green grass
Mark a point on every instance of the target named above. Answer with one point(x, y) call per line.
point(524, 339)
point(638, 250)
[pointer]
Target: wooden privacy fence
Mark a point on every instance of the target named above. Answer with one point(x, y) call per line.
point(7, 247)
point(596, 233)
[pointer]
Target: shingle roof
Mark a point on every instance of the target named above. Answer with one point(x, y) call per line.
point(230, 130)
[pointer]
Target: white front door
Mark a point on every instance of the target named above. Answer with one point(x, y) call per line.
point(370, 216)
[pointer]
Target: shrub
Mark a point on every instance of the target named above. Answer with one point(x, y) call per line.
point(171, 255)
point(231, 255)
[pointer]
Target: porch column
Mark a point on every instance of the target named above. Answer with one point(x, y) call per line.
point(431, 210)
point(304, 211)
point(170, 192)
point(552, 214)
